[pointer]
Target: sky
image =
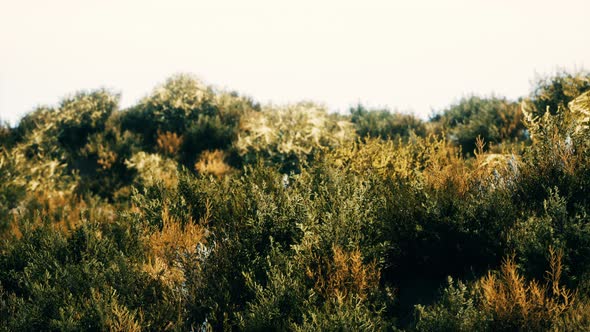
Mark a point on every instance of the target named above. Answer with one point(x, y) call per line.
point(412, 56)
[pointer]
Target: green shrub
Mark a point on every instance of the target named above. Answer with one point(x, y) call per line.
point(496, 120)
point(204, 118)
point(553, 92)
point(385, 124)
point(455, 311)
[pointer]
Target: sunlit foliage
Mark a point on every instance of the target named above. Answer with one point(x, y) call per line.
point(289, 135)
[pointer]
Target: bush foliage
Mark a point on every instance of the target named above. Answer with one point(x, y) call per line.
point(198, 209)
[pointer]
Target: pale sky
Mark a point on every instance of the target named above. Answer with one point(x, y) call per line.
point(407, 55)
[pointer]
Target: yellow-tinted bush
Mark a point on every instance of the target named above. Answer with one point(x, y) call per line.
point(517, 303)
point(176, 236)
point(213, 163)
point(293, 131)
point(169, 247)
point(153, 168)
point(169, 143)
point(344, 276)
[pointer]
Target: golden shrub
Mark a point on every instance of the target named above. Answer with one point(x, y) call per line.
point(213, 163)
point(385, 158)
point(180, 92)
point(294, 129)
point(158, 269)
point(169, 143)
point(529, 304)
point(580, 108)
point(176, 237)
point(429, 161)
point(170, 243)
point(445, 167)
point(344, 275)
point(64, 213)
point(118, 317)
point(577, 318)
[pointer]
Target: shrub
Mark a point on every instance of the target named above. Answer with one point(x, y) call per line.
point(385, 124)
point(553, 92)
point(517, 304)
point(504, 301)
point(169, 143)
point(212, 162)
point(183, 106)
point(495, 120)
point(196, 209)
point(455, 311)
point(290, 135)
point(152, 168)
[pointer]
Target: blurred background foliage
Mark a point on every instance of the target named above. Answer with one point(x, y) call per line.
point(199, 209)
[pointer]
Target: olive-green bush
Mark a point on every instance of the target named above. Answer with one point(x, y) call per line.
point(198, 209)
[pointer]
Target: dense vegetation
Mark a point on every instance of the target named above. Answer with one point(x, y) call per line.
point(199, 209)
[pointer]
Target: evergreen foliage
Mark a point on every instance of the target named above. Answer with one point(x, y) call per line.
point(198, 209)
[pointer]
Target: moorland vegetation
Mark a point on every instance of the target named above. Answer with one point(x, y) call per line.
point(200, 209)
